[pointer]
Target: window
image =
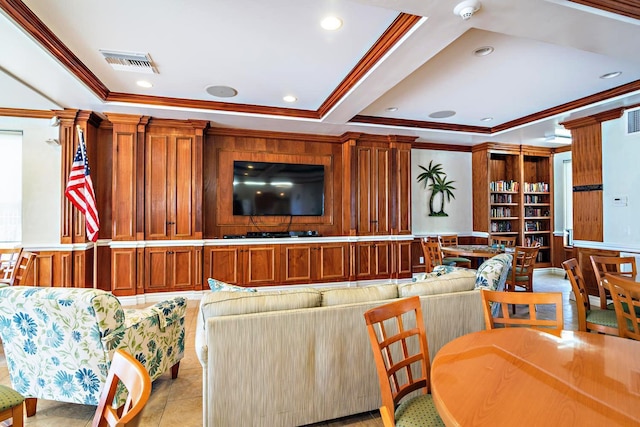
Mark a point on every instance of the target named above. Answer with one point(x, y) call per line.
point(568, 201)
point(11, 189)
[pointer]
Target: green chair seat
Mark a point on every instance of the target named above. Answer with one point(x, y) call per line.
point(602, 317)
point(418, 411)
point(455, 259)
point(9, 398)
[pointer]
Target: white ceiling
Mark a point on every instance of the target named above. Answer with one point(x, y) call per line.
point(547, 53)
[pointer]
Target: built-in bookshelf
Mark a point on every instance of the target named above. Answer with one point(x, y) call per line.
point(512, 190)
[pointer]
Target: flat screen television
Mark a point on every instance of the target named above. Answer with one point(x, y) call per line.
point(264, 188)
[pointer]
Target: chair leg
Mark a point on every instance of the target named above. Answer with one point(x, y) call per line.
point(18, 415)
point(174, 371)
point(30, 403)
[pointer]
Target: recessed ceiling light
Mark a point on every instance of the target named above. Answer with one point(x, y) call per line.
point(289, 98)
point(442, 114)
point(486, 119)
point(331, 23)
point(483, 51)
point(391, 109)
point(144, 83)
point(611, 75)
point(221, 91)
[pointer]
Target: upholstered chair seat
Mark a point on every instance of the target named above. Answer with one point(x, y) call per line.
point(418, 411)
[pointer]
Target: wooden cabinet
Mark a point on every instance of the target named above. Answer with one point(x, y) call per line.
point(171, 184)
point(243, 265)
point(373, 190)
point(373, 260)
point(513, 195)
point(314, 262)
point(170, 269)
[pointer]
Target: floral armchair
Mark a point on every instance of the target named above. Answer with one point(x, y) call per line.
point(58, 342)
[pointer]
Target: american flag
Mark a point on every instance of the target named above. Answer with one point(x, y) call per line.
point(80, 189)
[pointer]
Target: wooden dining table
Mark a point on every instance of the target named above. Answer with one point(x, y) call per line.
point(525, 377)
point(478, 251)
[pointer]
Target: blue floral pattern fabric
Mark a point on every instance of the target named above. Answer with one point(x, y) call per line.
point(492, 274)
point(59, 342)
point(217, 285)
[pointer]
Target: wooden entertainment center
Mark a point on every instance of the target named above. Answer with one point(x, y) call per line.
point(165, 198)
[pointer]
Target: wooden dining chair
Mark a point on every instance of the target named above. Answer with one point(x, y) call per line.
point(432, 254)
point(589, 319)
point(22, 268)
point(520, 274)
point(507, 241)
point(398, 339)
point(135, 378)
point(625, 294)
point(452, 240)
point(7, 265)
point(614, 265)
point(504, 319)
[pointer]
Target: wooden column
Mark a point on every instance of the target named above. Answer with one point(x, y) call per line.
point(586, 164)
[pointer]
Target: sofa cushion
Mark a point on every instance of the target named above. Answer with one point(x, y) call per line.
point(456, 281)
point(217, 285)
point(493, 272)
point(226, 303)
point(337, 296)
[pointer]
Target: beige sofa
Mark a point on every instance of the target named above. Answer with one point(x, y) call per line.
point(288, 358)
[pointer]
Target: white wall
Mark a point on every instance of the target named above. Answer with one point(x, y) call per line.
point(40, 181)
point(621, 178)
point(558, 190)
point(457, 167)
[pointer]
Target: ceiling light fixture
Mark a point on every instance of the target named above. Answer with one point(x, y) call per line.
point(391, 109)
point(611, 75)
point(289, 98)
point(221, 91)
point(331, 23)
point(144, 83)
point(486, 119)
point(483, 51)
point(466, 9)
point(442, 114)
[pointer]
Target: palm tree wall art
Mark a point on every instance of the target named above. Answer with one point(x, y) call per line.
point(435, 180)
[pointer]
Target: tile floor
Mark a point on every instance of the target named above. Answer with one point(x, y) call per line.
point(179, 402)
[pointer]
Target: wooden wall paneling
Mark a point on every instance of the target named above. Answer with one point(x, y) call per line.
point(157, 269)
point(364, 208)
point(124, 268)
point(104, 268)
point(584, 261)
point(349, 183)
point(183, 189)
point(103, 172)
point(210, 189)
point(403, 198)
point(384, 262)
point(262, 265)
point(364, 260)
point(480, 189)
point(80, 269)
point(296, 263)
point(383, 184)
point(141, 274)
point(66, 136)
point(182, 264)
point(404, 266)
point(559, 254)
point(198, 273)
point(66, 269)
point(223, 263)
point(43, 270)
point(416, 254)
point(332, 262)
point(198, 186)
point(140, 175)
point(125, 176)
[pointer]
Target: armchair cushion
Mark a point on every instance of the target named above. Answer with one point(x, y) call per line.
point(58, 342)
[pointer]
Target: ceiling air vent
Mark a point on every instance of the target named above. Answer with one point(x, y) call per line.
point(633, 121)
point(127, 61)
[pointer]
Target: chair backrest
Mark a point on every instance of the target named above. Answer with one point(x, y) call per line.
point(613, 265)
point(22, 268)
point(8, 263)
point(507, 241)
point(448, 240)
point(432, 253)
point(135, 378)
point(398, 339)
point(626, 302)
point(524, 260)
point(553, 326)
point(579, 290)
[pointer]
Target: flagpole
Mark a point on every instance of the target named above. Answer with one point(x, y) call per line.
point(95, 244)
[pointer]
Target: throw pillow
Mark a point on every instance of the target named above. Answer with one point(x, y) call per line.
point(492, 274)
point(217, 285)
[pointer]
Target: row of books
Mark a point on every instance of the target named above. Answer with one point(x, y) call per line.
point(528, 211)
point(536, 226)
point(500, 226)
point(504, 186)
point(501, 198)
point(532, 198)
point(500, 212)
point(537, 187)
point(531, 239)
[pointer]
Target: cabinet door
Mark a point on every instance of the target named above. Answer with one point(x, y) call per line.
point(404, 259)
point(332, 262)
point(382, 259)
point(182, 269)
point(261, 265)
point(157, 273)
point(170, 185)
point(169, 268)
point(372, 193)
point(364, 261)
point(157, 183)
point(123, 271)
point(297, 261)
point(223, 263)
